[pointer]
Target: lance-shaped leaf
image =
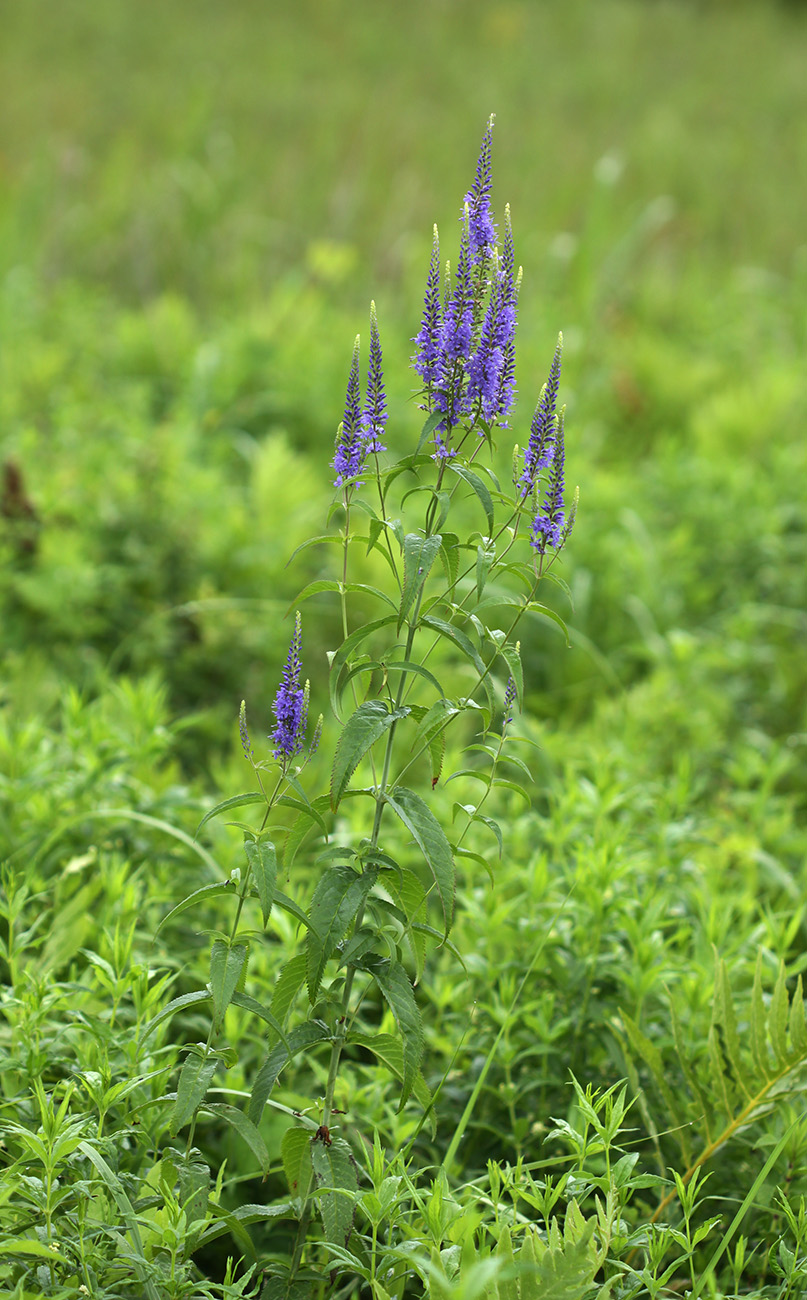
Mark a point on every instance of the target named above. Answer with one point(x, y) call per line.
point(389, 1050)
point(295, 1152)
point(321, 585)
point(226, 965)
point(474, 481)
point(399, 995)
point(450, 556)
point(361, 731)
point(301, 1037)
point(335, 1172)
point(337, 898)
point(244, 1128)
point(235, 801)
point(485, 555)
point(262, 859)
point(343, 655)
point(198, 896)
point(431, 839)
point(194, 1078)
point(419, 556)
point(288, 985)
point(464, 643)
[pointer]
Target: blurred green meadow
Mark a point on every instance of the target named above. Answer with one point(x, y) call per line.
point(197, 204)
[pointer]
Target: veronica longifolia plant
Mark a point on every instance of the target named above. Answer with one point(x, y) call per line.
point(441, 651)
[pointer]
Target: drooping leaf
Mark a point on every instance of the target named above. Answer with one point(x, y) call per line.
point(288, 985)
point(396, 989)
point(322, 585)
point(245, 1130)
point(431, 839)
point(419, 556)
point(295, 1152)
point(198, 896)
point(300, 1038)
point(236, 801)
point(389, 1050)
point(226, 965)
point(463, 643)
point(177, 1004)
point(262, 859)
point(342, 656)
point(337, 898)
point(334, 1169)
point(194, 1078)
point(474, 481)
point(450, 557)
point(362, 729)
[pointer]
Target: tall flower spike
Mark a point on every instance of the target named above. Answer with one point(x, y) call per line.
point(482, 229)
point(349, 454)
point(454, 347)
point(538, 452)
point(291, 703)
point(509, 700)
point(548, 524)
point(485, 367)
point(427, 340)
point(374, 415)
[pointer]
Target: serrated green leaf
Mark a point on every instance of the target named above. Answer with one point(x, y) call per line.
point(397, 991)
point(226, 965)
point(475, 482)
point(236, 801)
point(777, 1019)
point(198, 896)
point(334, 1169)
point(295, 1152)
point(798, 1031)
point(337, 898)
point(289, 905)
point(341, 656)
point(177, 1004)
point(361, 731)
point(245, 1130)
point(194, 1078)
point(406, 666)
point(463, 643)
point(300, 1038)
point(431, 839)
point(429, 427)
point(262, 859)
point(389, 1050)
point(419, 556)
point(255, 1008)
point(450, 557)
point(549, 615)
point(288, 984)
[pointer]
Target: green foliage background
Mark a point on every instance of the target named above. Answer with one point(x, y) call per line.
point(197, 202)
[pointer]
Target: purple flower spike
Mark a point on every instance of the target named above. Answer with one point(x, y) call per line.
point(485, 368)
point(458, 322)
point(374, 415)
point(542, 431)
point(427, 341)
point(291, 704)
point(482, 229)
point(509, 700)
point(548, 524)
point(350, 449)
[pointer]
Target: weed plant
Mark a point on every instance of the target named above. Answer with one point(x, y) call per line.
point(290, 1062)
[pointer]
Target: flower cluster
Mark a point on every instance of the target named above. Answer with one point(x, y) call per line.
point(464, 350)
point(291, 703)
point(362, 429)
